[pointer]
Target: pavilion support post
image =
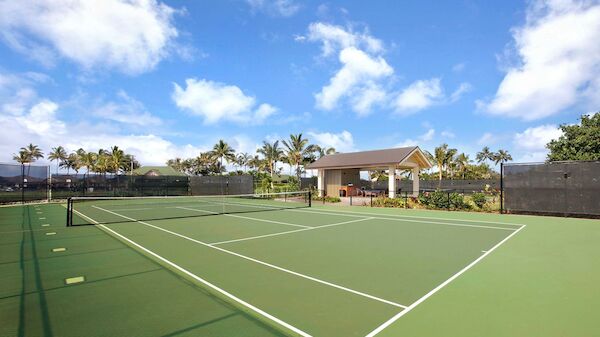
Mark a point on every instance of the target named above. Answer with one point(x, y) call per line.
point(415, 176)
point(321, 182)
point(392, 181)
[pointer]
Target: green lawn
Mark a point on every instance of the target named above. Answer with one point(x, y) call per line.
point(320, 271)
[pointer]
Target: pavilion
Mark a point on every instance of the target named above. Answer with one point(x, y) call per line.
point(336, 171)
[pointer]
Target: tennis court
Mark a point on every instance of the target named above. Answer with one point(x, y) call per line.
point(240, 266)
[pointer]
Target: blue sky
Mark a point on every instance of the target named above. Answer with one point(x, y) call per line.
point(169, 78)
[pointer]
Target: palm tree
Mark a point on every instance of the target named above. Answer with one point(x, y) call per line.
point(462, 163)
point(501, 156)
point(244, 160)
point(323, 151)
point(116, 159)
point(484, 155)
point(22, 158)
point(297, 149)
point(443, 157)
point(221, 151)
point(71, 162)
point(89, 161)
point(33, 151)
point(59, 154)
point(272, 154)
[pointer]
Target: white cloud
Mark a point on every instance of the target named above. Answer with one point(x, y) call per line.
point(42, 125)
point(285, 8)
point(559, 64)
point(336, 38)
point(462, 89)
point(419, 95)
point(487, 139)
point(127, 111)
point(536, 138)
point(218, 101)
point(448, 134)
point(357, 78)
point(424, 138)
point(131, 36)
point(342, 142)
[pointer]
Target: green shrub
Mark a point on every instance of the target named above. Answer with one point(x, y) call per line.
point(388, 202)
point(443, 200)
point(326, 199)
point(479, 199)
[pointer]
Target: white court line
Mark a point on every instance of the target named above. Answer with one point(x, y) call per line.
point(425, 217)
point(245, 217)
point(436, 289)
point(259, 261)
point(201, 280)
point(133, 209)
point(356, 214)
point(288, 232)
point(395, 217)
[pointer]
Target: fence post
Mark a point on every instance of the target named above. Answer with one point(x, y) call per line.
point(405, 199)
point(371, 199)
point(350, 200)
point(501, 188)
point(309, 198)
point(448, 200)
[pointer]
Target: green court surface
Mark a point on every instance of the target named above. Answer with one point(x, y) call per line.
point(319, 271)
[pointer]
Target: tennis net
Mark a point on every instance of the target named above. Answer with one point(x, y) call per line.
point(104, 210)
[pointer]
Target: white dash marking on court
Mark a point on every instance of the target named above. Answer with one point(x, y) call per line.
point(57, 250)
point(45, 225)
point(42, 218)
point(51, 233)
point(436, 289)
point(201, 280)
point(288, 232)
point(259, 261)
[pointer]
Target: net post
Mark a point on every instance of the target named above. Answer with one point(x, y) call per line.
point(309, 198)
point(501, 188)
point(69, 212)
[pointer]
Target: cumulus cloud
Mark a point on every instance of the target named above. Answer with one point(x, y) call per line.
point(359, 81)
point(216, 101)
point(127, 111)
point(357, 78)
point(131, 36)
point(342, 142)
point(559, 61)
point(336, 38)
point(487, 139)
point(284, 8)
point(423, 94)
point(424, 138)
point(536, 138)
point(530, 145)
point(419, 95)
point(41, 124)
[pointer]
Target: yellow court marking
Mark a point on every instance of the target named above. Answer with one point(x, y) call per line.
point(51, 233)
point(73, 280)
point(60, 249)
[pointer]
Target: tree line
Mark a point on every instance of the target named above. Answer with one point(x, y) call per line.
point(113, 161)
point(294, 151)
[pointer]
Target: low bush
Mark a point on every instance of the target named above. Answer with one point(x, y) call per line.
point(479, 199)
point(388, 202)
point(327, 199)
point(444, 200)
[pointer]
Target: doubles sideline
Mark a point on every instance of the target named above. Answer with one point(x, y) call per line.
point(333, 285)
point(199, 279)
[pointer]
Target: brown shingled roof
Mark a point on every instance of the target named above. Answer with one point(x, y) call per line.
point(364, 158)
